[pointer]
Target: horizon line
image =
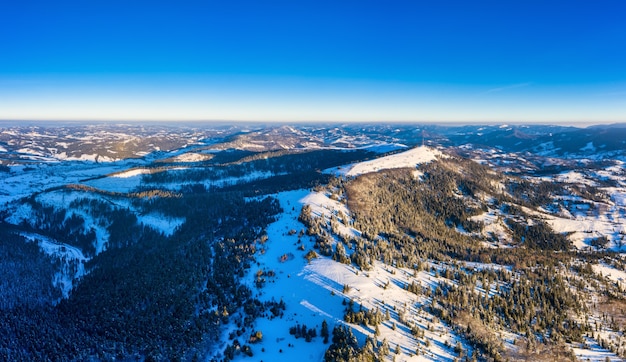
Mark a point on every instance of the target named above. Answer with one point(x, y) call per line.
point(576, 124)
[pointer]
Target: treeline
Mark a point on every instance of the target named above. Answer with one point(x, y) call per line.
point(141, 193)
point(276, 163)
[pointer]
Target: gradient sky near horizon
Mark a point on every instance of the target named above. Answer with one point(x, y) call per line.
point(435, 61)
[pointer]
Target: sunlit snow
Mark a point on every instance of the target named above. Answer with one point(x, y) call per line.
point(410, 158)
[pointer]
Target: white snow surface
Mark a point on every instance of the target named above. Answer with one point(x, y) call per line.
point(410, 158)
point(116, 184)
point(192, 157)
point(131, 173)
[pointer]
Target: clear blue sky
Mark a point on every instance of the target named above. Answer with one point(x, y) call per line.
point(487, 61)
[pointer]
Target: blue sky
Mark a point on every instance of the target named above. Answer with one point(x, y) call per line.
point(435, 61)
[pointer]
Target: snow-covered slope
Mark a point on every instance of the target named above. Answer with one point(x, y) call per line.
point(410, 158)
point(316, 291)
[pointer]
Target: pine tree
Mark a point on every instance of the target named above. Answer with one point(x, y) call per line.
point(324, 332)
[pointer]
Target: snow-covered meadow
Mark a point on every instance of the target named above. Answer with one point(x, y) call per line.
point(315, 291)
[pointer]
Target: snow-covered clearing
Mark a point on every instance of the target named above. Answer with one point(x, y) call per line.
point(494, 226)
point(589, 147)
point(116, 184)
point(583, 229)
point(314, 291)
point(410, 158)
point(324, 206)
point(574, 177)
point(192, 157)
point(128, 184)
point(584, 222)
point(131, 173)
point(594, 352)
point(93, 157)
point(618, 195)
point(166, 225)
point(611, 273)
